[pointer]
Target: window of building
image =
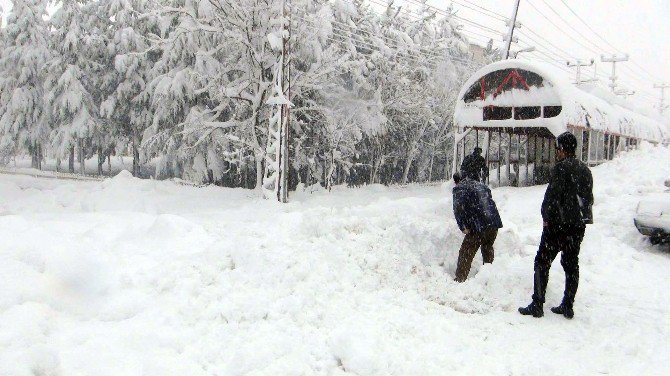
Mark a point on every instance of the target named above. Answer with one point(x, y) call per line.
point(552, 111)
point(497, 113)
point(526, 113)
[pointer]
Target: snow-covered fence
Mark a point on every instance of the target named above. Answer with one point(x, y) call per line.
point(48, 174)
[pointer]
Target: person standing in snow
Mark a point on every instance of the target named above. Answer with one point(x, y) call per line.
point(474, 166)
point(478, 218)
point(566, 210)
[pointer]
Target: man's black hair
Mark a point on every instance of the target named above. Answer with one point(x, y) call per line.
point(567, 142)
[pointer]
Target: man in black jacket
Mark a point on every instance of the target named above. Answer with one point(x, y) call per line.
point(566, 210)
point(474, 166)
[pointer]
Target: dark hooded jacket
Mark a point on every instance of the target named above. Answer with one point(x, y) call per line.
point(474, 167)
point(568, 200)
point(474, 207)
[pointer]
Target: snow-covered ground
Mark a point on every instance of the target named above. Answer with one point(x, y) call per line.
point(141, 277)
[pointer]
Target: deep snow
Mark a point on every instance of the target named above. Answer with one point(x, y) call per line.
point(130, 277)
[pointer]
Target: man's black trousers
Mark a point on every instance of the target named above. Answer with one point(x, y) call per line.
point(555, 241)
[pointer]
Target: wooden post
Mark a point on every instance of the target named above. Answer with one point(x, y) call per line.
point(518, 161)
point(527, 170)
point(598, 136)
point(588, 149)
point(544, 151)
point(465, 146)
point(499, 155)
point(487, 147)
point(580, 144)
point(509, 159)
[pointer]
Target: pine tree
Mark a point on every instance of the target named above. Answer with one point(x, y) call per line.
point(22, 63)
point(71, 110)
point(126, 104)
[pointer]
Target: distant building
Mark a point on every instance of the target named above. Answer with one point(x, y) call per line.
point(478, 53)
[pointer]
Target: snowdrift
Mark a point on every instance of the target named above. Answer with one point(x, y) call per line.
point(131, 277)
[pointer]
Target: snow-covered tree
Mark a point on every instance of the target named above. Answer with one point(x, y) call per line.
point(127, 105)
point(22, 68)
point(191, 85)
point(181, 134)
point(71, 109)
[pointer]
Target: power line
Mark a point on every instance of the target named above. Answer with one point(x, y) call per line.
point(599, 74)
point(344, 27)
point(353, 30)
point(477, 25)
point(553, 62)
point(444, 13)
point(360, 44)
point(654, 77)
point(479, 34)
point(522, 32)
point(470, 34)
point(481, 10)
point(589, 26)
point(542, 41)
point(630, 70)
point(560, 29)
point(339, 32)
point(570, 26)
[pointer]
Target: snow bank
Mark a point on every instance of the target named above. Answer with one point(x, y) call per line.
point(132, 276)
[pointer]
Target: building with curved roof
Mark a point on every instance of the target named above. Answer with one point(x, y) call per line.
point(519, 107)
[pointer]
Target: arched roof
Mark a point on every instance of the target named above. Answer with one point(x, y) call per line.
point(529, 86)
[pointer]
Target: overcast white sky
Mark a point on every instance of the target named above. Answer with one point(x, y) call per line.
point(640, 28)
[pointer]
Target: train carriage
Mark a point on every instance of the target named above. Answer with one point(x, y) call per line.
point(515, 109)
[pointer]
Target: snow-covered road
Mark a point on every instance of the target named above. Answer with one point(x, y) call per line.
point(139, 277)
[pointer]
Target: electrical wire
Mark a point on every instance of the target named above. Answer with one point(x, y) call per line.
point(538, 11)
point(415, 59)
point(654, 77)
point(471, 35)
point(560, 17)
point(491, 13)
point(351, 29)
point(589, 26)
point(625, 71)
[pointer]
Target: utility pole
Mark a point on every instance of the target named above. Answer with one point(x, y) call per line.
point(662, 87)
point(275, 182)
point(625, 93)
point(613, 59)
point(510, 33)
point(579, 64)
point(284, 167)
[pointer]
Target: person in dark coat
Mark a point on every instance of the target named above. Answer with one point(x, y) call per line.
point(566, 210)
point(478, 218)
point(474, 166)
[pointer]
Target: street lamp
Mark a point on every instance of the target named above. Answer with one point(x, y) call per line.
point(527, 49)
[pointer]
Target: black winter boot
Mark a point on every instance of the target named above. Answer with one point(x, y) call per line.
point(565, 310)
point(533, 309)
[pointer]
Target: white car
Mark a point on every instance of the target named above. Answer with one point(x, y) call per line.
point(653, 216)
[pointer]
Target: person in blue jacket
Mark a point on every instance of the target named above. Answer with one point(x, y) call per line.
point(478, 218)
